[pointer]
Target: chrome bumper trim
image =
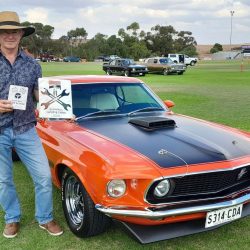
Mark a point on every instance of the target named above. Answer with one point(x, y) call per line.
point(156, 215)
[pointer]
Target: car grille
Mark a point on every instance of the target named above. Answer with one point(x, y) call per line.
point(139, 69)
point(204, 186)
point(178, 67)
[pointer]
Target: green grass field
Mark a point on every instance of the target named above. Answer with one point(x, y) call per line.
point(217, 91)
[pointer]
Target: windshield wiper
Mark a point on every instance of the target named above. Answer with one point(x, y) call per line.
point(99, 112)
point(147, 109)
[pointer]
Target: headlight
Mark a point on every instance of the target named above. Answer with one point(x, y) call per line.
point(146, 68)
point(116, 188)
point(162, 188)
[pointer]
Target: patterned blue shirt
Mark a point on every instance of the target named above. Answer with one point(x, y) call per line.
point(24, 72)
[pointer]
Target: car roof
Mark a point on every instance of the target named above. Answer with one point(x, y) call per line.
point(96, 79)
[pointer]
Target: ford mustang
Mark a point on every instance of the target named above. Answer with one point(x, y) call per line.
point(129, 158)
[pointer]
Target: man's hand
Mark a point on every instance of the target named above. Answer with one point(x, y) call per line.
point(5, 106)
point(73, 119)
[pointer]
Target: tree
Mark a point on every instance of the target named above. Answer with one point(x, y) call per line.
point(189, 50)
point(130, 42)
point(134, 27)
point(185, 43)
point(40, 41)
point(134, 45)
point(161, 39)
point(75, 38)
point(78, 34)
point(216, 48)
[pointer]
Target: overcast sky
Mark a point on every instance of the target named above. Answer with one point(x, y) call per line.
point(208, 20)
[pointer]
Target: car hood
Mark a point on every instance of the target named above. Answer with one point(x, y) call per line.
point(178, 64)
point(190, 141)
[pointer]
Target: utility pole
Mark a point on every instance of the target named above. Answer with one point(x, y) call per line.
point(231, 30)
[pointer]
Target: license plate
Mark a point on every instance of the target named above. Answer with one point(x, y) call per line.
point(224, 215)
point(140, 74)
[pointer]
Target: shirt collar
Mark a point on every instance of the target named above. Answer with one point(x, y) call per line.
point(20, 53)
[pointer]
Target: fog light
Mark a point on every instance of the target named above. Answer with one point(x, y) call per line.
point(116, 188)
point(162, 188)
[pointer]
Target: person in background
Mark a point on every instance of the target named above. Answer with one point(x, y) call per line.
point(17, 129)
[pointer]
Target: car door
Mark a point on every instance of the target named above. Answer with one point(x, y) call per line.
point(112, 66)
point(119, 66)
point(151, 65)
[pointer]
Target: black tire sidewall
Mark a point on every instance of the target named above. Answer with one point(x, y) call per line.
point(94, 222)
point(165, 72)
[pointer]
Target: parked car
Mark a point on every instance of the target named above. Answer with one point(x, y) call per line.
point(128, 157)
point(164, 65)
point(124, 66)
point(46, 57)
point(71, 59)
point(104, 58)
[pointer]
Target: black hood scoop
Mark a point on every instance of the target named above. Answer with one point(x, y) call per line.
point(153, 122)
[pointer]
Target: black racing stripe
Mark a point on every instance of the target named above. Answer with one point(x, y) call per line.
point(181, 146)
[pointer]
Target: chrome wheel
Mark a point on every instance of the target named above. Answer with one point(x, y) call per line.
point(126, 73)
point(74, 201)
point(109, 73)
point(165, 72)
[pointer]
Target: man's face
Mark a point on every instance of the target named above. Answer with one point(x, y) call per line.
point(10, 39)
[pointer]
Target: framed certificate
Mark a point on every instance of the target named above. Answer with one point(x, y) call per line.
point(18, 96)
point(55, 98)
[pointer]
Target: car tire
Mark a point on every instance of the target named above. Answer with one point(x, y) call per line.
point(108, 72)
point(165, 72)
point(126, 73)
point(192, 63)
point(81, 215)
point(180, 73)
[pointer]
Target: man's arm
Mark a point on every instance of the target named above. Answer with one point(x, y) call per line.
point(36, 95)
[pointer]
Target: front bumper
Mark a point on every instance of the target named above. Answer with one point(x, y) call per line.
point(138, 72)
point(157, 215)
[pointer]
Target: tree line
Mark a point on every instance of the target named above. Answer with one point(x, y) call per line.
point(131, 42)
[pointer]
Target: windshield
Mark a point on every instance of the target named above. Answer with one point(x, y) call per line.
point(165, 60)
point(117, 99)
point(128, 62)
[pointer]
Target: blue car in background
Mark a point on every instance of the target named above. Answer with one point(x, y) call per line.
point(71, 59)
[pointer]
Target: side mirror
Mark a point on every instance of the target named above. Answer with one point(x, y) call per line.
point(169, 104)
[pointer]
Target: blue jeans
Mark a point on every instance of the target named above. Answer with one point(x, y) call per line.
point(30, 150)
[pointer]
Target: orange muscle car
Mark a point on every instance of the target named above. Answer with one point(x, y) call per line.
point(128, 157)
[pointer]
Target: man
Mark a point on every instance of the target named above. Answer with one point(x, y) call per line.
point(17, 129)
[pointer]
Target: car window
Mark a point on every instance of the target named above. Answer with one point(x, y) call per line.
point(113, 63)
point(164, 61)
point(124, 97)
point(125, 62)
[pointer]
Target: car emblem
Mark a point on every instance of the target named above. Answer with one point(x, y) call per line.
point(242, 173)
point(162, 152)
